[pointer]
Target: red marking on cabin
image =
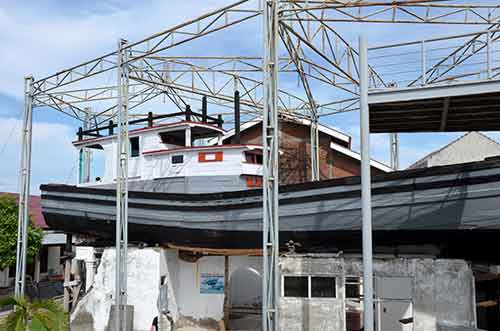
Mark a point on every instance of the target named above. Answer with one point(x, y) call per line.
point(210, 156)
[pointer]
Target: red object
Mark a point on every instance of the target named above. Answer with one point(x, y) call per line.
point(210, 156)
point(35, 209)
point(254, 181)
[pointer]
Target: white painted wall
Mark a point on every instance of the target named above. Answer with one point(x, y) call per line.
point(185, 282)
point(143, 283)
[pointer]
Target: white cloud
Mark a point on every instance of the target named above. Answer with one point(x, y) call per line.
point(53, 156)
point(44, 44)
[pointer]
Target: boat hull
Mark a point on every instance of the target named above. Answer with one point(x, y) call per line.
point(409, 207)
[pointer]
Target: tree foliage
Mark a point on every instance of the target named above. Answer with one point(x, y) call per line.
point(8, 233)
point(38, 315)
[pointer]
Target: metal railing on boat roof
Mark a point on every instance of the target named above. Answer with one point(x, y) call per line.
point(462, 58)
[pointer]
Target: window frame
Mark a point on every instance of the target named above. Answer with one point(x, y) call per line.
point(138, 139)
point(309, 286)
point(174, 156)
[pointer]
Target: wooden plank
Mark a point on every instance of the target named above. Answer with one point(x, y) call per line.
point(218, 251)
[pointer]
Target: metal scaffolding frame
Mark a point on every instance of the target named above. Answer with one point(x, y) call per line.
point(270, 187)
point(122, 157)
point(315, 54)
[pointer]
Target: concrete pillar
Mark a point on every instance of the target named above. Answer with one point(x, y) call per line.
point(53, 260)
point(114, 314)
point(36, 276)
point(4, 277)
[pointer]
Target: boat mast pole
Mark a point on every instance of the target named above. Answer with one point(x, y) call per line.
point(122, 188)
point(24, 189)
point(270, 130)
point(366, 208)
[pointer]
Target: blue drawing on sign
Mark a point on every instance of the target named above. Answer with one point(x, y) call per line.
point(212, 284)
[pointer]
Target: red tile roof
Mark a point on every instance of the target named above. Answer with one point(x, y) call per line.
point(35, 209)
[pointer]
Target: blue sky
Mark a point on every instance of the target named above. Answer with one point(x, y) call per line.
point(42, 37)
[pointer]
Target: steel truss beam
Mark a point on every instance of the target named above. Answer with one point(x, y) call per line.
point(122, 187)
point(270, 133)
point(24, 189)
point(393, 12)
point(443, 66)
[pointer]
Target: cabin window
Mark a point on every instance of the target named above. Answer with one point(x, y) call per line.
point(254, 158)
point(134, 147)
point(177, 159)
point(296, 286)
point(323, 287)
point(210, 156)
point(253, 181)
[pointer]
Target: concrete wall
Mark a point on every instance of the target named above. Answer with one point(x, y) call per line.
point(146, 267)
point(92, 312)
point(442, 293)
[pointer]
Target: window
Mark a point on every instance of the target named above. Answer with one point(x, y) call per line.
point(177, 159)
point(309, 287)
point(296, 286)
point(253, 158)
point(134, 147)
point(323, 287)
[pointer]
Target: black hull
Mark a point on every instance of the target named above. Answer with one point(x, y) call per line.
point(449, 211)
point(471, 245)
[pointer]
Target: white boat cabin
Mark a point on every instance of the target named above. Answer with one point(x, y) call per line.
point(182, 149)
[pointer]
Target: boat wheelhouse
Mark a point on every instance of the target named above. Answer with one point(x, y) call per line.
point(182, 157)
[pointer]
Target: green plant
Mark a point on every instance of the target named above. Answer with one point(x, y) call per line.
point(36, 315)
point(8, 233)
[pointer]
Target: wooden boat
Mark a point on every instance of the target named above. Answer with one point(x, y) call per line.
point(456, 206)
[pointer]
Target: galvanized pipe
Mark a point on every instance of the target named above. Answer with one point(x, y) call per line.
point(366, 208)
point(24, 189)
point(122, 188)
point(270, 129)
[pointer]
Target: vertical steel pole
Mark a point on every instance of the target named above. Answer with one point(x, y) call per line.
point(24, 189)
point(366, 207)
point(314, 145)
point(394, 137)
point(270, 132)
point(424, 63)
point(122, 187)
point(488, 54)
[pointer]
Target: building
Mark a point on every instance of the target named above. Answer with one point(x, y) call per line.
point(336, 158)
point(471, 147)
point(47, 265)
